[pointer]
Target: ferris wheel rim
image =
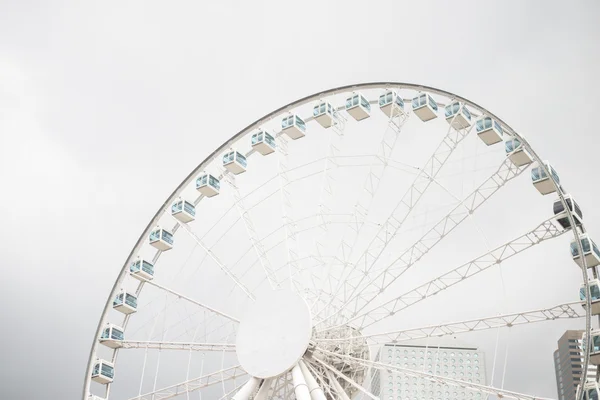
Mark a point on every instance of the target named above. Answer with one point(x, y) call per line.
point(281, 110)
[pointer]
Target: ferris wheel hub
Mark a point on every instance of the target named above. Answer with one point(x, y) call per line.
point(274, 334)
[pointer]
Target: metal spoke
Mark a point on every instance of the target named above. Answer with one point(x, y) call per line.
point(344, 377)
point(257, 244)
point(193, 384)
point(211, 309)
point(474, 387)
point(189, 346)
point(562, 311)
point(546, 230)
point(382, 280)
point(212, 255)
point(393, 223)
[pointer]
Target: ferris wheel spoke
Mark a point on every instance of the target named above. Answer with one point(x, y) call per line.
point(360, 269)
point(561, 311)
point(473, 387)
point(544, 231)
point(337, 373)
point(181, 296)
point(256, 244)
point(214, 257)
point(192, 385)
point(187, 346)
point(382, 280)
point(364, 202)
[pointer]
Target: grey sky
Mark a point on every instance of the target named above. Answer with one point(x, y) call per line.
point(105, 107)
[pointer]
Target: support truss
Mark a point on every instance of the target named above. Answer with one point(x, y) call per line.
point(382, 280)
point(214, 257)
point(392, 225)
point(256, 243)
point(181, 296)
point(363, 205)
point(193, 384)
point(562, 311)
point(474, 387)
point(189, 346)
point(546, 230)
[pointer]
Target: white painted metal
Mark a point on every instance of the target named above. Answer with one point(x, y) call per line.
point(339, 390)
point(592, 287)
point(123, 273)
point(189, 386)
point(209, 186)
point(562, 311)
point(517, 153)
point(274, 334)
point(100, 375)
point(179, 211)
point(590, 251)
point(159, 239)
point(300, 388)
point(546, 230)
point(254, 240)
point(246, 391)
point(112, 336)
point(358, 106)
point(293, 126)
point(263, 392)
point(187, 346)
point(263, 142)
point(426, 110)
point(316, 392)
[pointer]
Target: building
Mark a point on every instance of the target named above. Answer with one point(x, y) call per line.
point(568, 364)
point(448, 359)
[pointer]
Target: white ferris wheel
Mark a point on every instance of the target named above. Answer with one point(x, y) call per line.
point(302, 255)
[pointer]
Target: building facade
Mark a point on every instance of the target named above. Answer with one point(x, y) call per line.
point(568, 364)
point(452, 361)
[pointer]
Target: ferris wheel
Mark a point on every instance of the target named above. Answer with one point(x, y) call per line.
point(307, 255)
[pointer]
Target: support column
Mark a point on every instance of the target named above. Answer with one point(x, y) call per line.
point(336, 385)
point(246, 391)
point(316, 392)
point(300, 387)
point(263, 392)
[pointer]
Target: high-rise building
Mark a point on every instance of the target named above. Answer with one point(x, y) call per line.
point(568, 364)
point(447, 359)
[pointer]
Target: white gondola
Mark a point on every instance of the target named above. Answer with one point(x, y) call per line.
point(208, 185)
point(125, 302)
point(561, 214)
point(516, 153)
point(112, 336)
point(103, 372)
point(591, 390)
point(325, 114)
point(358, 106)
point(391, 104)
point(543, 183)
point(590, 251)
point(489, 130)
point(141, 270)
point(235, 162)
point(595, 295)
point(457, 115)
point(425, 107)
point(293, 126)
point(183, 210)
point(595, 349)
point(161, 239)
point(263, 143)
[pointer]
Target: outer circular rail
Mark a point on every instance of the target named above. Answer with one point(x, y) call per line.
point(307, 99)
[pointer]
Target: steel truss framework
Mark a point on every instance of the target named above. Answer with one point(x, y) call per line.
point(343, 303)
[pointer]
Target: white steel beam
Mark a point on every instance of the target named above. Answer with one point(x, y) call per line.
point(300, 387)
point(246, 391)
point(337, 373)
point(395, 220)
point(263, 392)
point(193, 384)
point(316, 392)
point(562, 311)
point(546, 230)
point(474, 387)
point(181, 296)
point(363, 295)
point(256, 243)
point(214, 257)
point(189, 346)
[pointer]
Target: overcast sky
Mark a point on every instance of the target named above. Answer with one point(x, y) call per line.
point(106, 106)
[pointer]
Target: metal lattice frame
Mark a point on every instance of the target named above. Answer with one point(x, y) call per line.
point(355, 293)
